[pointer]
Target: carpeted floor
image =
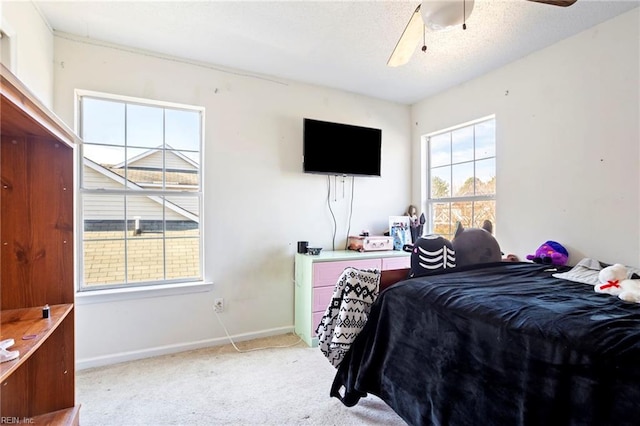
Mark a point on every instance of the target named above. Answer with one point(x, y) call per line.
point(220, 386)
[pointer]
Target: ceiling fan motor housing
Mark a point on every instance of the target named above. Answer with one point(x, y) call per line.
point(439, 15)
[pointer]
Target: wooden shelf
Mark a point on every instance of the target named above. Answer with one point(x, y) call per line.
point(69, 416)
point(27, 327)
point(24, 114)
point(37, 160)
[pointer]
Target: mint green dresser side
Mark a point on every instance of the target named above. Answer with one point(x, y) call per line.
point(304, 298)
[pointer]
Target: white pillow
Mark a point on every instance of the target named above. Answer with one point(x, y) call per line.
point(587, 270)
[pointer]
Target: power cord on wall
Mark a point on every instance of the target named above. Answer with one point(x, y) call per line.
point(335, 225)
point(346, 244)
point(253, 349)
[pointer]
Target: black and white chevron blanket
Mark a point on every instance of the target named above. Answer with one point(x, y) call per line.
point(347, 313)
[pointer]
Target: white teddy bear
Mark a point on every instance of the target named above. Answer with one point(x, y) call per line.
point(630, 291)
point(613, 280)
point(610, 279)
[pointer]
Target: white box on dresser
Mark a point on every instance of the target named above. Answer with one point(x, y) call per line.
point(316, 277)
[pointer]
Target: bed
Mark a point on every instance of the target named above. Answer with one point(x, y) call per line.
point(497, 344)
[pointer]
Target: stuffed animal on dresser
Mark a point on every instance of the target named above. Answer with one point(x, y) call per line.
point(475, 245)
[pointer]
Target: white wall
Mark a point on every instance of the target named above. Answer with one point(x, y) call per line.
point(31, 37)
point(258, 203)
point(568, 158)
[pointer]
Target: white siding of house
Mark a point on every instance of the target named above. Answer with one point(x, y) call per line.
point(176, 163)
point(94, 180)
point(190, 204)
point(143, 206)
point(154, 161)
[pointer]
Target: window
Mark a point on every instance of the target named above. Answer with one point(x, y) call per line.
point(140, 191)
point(460, 176)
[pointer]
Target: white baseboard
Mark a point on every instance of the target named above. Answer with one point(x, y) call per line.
point(99, 361)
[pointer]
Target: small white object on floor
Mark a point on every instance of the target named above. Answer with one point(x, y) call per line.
point(6, 355)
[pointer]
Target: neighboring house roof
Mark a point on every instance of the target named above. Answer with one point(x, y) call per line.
point(168, 149)
point(145, 178)
point(135, 187)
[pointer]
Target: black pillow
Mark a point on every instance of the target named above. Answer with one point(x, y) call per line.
point(431, 253)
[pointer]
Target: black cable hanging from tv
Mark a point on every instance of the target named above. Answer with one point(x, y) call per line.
point(335, 224)
point(346, 244)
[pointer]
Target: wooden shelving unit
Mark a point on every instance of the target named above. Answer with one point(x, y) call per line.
point(32, 329)
point(36, 259)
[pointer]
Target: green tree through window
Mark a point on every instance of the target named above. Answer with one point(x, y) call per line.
point(461, 178)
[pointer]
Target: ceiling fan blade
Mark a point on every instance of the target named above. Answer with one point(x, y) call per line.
point(561, 3)
point(408, 41)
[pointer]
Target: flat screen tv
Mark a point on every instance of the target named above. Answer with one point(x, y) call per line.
point(341, 149)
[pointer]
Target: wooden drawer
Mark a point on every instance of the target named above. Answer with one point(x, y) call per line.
point(396, 263)
point(327, 273)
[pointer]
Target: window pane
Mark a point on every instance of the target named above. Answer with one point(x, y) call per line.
point(462, 212)
point(100, 167)
point(182, 129)
point(145, 168)
point(103, 217)
point(187, 206)
point(441, 219)
point(485, 139)
point(183, 232)
point(183, 172)
point(104, 155)
point(145, 216)
point(147, 158)
point(103, 121)
point(183, 256)
point(484, 210)
point(463, 180)
point(440, 150)
point(468, 173)
point(441, 182)
point(486, 176)
point(144, 126)
point(462, 144)
point(103, 262)
point(145, 259)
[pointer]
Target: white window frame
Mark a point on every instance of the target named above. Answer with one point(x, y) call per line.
point(110, 292)
point(427, 201)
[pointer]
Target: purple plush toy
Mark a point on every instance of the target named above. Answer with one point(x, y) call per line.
point(552, 253)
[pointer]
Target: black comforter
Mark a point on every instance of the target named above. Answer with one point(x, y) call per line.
point(498, 344)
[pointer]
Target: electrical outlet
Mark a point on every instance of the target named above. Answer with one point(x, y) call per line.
point(218, 304)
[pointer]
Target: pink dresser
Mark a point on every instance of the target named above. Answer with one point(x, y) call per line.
point(316, 277)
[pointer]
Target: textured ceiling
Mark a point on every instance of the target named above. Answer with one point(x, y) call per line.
point(343, 45)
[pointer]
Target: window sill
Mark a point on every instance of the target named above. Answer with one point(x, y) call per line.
point(143, 292)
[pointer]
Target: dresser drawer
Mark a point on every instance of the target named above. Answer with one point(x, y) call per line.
point(317, 317)
point(316, 278)
point(321, 298)
point(389, 263)
point(327, 273)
